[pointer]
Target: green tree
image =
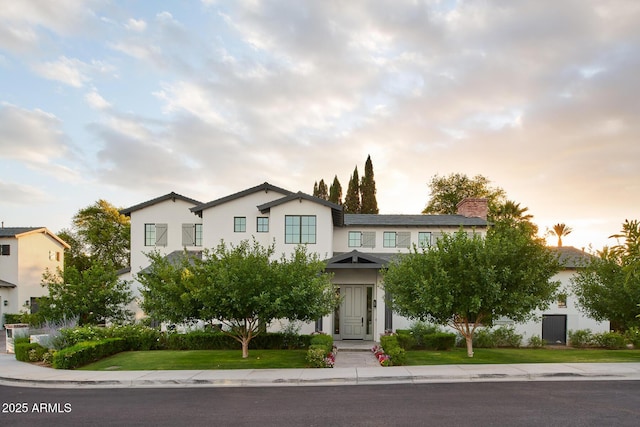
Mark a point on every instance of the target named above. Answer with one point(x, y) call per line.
point(608, 287)
point(560, 230)
point(320, 190)
point(512, 214)
point(368, 190)
point(448, 191)
point(240, 286)
point(77, 255)
point(352, 199)
point(335, 192)
point(94, 295)
point(104, 233)
point(469, 281)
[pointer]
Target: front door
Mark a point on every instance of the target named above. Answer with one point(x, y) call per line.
point(353, 312)
point(554, 328)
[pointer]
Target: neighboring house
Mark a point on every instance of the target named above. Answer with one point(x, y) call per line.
point(25, 254)
point(563, 315)
point(355, 246)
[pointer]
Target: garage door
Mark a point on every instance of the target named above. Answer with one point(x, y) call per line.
point(554, 328)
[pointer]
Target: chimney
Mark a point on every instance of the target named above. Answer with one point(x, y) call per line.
point(473, 208)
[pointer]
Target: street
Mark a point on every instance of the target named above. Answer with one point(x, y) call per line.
point(575, 403)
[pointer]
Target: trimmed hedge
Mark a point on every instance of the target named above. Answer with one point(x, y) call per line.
point(11, 318)
point(24, 354)
point(87, 352)
point(392, 348)
point(320, 347)
point(439, 341)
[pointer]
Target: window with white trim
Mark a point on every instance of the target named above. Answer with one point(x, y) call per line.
point(399, 239)
point(424, 239)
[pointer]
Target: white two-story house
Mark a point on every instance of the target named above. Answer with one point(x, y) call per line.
point(25, 254)
point(355, 246)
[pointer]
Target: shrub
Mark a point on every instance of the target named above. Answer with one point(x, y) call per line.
point(11, 318)
point(536, 342)
point(86, 352)
point(68, 337)
point(406, 339)
point(392, 348)
point(420, 329)
point(506, 336)
point(320, 352)
point(137, 337)
point(29, 352)
point(632, 336)
point(483, 338)
point(609, 340)
point(581, 338)
point(439, 341)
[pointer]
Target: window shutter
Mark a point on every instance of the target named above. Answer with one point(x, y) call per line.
point(368, 239)
point(435, 237)
point(403, 239)
point(188, 235)
point(161, 234)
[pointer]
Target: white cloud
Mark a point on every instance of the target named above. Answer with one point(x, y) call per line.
point(137, 25)
point(96, 101)
point(69, 71)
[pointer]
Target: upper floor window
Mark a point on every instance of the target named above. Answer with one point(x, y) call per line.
point(355, 239)
point(240, 224)
point(393, 239)
point(424, 239)
point(262, 225)
point(362, 239)
point(191, 234)
point(5, 249)
point(155, 234)
point(300, 229)
point(54, 256)
point(562, 301)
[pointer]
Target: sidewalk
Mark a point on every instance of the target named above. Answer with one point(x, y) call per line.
point(16, 373)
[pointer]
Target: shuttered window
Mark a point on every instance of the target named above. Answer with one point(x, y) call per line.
point(355, 239)
point(188, 235)
point(403, 239)
point(368, 239)
point(424, 239)
point(161, 234)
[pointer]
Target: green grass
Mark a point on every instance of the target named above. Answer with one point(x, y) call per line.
point(458, 356)
point(200, 359)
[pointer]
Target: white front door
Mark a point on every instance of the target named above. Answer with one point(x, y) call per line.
point(353, 312)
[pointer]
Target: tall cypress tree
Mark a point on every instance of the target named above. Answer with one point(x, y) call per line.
point(335, 192)
point(323, 191)
point(352, 199)
point(368, 190)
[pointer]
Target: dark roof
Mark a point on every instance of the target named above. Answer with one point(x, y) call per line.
point(170, 196)
point(571, 257)
point(22, 231)
point(357, 259)
point(15, 231)
point(413, 220)
point(5, 284)
point(175, 257)
point(266, 187)
point(336, 210)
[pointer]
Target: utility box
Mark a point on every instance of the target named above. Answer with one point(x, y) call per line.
point(13, 331)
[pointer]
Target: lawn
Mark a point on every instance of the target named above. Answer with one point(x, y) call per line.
point(458, 356)
point(273, 359)
point(199, 359)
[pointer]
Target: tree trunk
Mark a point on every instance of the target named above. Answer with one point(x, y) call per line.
point(245, 347)
point(469, 340)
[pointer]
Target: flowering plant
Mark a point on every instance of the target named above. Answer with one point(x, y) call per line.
point(382, 357)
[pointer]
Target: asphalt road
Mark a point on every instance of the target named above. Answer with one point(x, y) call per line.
point(575, 403)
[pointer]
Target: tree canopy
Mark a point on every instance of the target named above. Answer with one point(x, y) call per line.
point(448, 191)
point(335, 192)
point(240, 286)
point(608, 286)
point(369, 203)
point(94, 295)
point(466, 281)
point(352, 199)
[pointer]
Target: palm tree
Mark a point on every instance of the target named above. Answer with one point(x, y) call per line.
point(560, 230)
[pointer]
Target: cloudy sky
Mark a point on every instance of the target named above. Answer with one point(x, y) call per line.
point(129, 100)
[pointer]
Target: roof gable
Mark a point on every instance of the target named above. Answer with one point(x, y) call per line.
point(336, 210)
point(171, 196)
point(357, 259)
point(266, 187)
point(570, 257)
point(18, 232)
